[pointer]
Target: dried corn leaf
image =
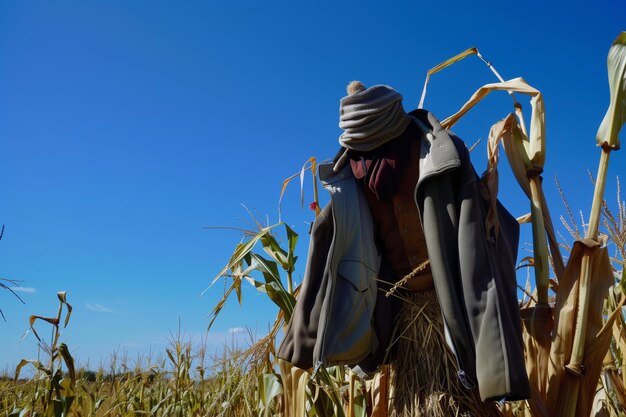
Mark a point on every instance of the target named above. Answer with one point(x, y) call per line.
point(538, 323)
point(596, 348)
point(535, 146)
point(294, 388)
point(379, 391)
point(563, 385)
point(616, 386)
point(313, 167)
point(517, 146)
point(444, 64)
point(537, 404)
point(564, 319)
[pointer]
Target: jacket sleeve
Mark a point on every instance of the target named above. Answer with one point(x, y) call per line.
point(474, 276)
point(301, 334)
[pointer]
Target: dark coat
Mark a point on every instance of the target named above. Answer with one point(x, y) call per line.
point(473, 272)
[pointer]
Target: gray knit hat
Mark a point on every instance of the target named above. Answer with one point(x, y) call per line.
point(370, 118)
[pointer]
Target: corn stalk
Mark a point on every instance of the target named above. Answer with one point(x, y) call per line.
point(60, 391)
point(607, 138)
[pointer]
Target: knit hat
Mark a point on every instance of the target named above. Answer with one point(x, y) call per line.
point(370, 118)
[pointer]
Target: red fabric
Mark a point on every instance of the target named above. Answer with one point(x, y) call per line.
point(383, 167)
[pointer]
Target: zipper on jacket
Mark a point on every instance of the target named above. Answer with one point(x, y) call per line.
point(322, 357)
point(319, 361)
point(318, 364)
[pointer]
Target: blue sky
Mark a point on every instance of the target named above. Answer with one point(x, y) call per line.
point(126, 127)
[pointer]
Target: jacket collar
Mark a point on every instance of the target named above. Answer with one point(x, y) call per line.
point(328, 176)
point(437, 152)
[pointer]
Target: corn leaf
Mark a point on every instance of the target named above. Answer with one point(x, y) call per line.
point(564, 393)
point(292, 239)
point(25, 362)
point(32, 319)
point(273, 249)
point(313, 167)
point(67, 389)
point(615, 116)
point(273, 285)
point(535, 147)
point(295, 382)
point(69, 361)
point(220, 305)
point(597, 347)
point(63, 299)
point(241, 251)
point(52, 320)
point(269, 387)
point(266, 267)
point(444, 64)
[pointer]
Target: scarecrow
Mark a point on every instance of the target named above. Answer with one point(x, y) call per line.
point(403, 272)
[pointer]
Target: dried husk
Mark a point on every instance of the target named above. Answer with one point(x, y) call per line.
point(294, 388)
point(564, 396)
point(595, 351)
point(538, 323)
point(378, 388)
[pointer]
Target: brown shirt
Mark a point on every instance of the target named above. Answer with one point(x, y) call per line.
point(399, 231)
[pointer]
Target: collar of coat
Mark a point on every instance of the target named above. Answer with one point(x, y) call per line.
point(437, 152)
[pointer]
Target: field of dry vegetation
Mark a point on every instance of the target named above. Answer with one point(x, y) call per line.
point(572, 309)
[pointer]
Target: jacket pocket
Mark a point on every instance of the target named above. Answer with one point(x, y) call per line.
point(357, 274)
point(350, 334)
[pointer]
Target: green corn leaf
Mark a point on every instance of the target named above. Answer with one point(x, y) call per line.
point(237, 274)
point(615, 116)
point(241, 251)
point(360, 401)
point(273, 249)
point(267, 267)
point(274, 286)
point(281, 298)
point(292, 239)
point(277, 294)
point(326, 380)
point(270, 387)
point(218, 307)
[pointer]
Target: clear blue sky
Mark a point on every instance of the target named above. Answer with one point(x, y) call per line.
point(125, 127)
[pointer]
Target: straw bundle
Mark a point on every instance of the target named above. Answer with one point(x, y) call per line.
point(424, 372)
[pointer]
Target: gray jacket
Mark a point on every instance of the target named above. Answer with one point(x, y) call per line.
point(473, 273)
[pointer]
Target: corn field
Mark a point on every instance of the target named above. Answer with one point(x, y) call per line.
point(572, 310)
